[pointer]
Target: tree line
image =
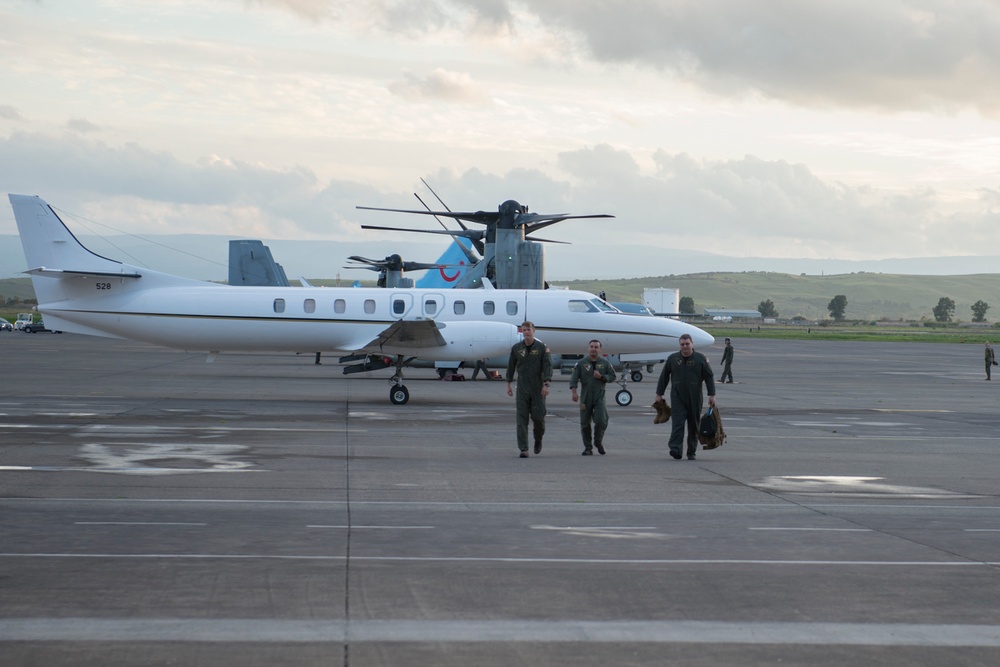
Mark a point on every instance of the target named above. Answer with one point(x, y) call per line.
point(944, 311)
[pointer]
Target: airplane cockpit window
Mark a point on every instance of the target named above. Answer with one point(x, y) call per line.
point(603, 306)
point(460, 308)
point(279, 305)
point(309, 305)
point(339, 306)
point(580, 306)
point(489, 308)
point(398, 306)
point(369, 306)
point(512, 307)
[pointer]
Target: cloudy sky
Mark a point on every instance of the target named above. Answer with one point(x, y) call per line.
point(845, 129)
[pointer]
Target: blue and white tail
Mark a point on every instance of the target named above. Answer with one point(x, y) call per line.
point(454, 265)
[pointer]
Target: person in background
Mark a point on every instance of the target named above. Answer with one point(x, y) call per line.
point(991, 360)
point(727, 363)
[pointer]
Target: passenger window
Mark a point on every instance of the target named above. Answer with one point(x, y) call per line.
point(460, 308)
point(340, 306)
point(279, 305)
point(489, 308)
point(309, 305)
point(369, 306)
point(398, 307)
point(512, 307)
point(430, 307)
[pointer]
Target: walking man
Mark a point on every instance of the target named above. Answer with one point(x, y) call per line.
point(991, 359)
point(531, 361)
point(592, 374)
point(727, 363)
point(687, 370)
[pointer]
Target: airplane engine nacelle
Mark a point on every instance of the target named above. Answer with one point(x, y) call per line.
point(473, 340)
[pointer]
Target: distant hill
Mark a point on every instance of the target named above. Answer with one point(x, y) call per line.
point(870, 296)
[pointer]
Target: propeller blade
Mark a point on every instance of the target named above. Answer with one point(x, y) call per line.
point(478, 245)
point(467, 233)
point(481, 217)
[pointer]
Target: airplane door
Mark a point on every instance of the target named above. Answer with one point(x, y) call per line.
point(401, 304)
point(431, 305)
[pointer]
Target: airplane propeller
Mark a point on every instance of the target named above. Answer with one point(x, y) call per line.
point(390, 263)
point(509, 215)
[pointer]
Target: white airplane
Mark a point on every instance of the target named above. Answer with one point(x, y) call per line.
point(79, 291)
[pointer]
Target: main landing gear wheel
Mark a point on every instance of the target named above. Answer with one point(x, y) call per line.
point(636, 376)
point(399, 395)
point(623, 398)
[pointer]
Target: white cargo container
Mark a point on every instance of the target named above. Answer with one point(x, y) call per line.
point(662, 300)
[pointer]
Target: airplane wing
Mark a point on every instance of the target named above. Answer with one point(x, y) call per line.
point(407, 334)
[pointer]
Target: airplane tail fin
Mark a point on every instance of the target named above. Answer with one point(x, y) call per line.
point(49, 246)
point(58, 262)
point(455, 263)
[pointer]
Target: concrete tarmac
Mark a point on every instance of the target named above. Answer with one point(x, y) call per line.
point(258, 510)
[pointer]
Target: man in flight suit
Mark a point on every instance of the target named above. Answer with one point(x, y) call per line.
point(727, 363)
point(688, 370)
point(592, 374)
point(533, 363)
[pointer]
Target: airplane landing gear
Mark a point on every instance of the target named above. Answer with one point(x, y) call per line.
point(636, 376)
point(623, 398)
point(399, 394)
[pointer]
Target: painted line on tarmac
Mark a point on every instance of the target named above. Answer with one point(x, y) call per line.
point(243, 630)
point(503, 559)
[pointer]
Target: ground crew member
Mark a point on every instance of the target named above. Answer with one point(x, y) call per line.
point(533, 364)
point(592, 374)
point(727, 363)
point(991, 359)
point(688, 370)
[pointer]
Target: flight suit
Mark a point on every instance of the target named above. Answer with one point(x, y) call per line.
point(727, 364)
point(533, 367)
point(592, 399)
point(685, 375)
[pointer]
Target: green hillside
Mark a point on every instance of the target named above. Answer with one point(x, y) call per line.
point(870, 296)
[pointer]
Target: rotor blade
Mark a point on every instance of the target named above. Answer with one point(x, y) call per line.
point(468, 253)
point(552, 241)
point(370, 268)
point(365, 260)
point(467, 233)
point(435, 195)
point(533, 225)
point(481, 217)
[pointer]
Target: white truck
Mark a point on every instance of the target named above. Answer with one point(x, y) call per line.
point(22, 319)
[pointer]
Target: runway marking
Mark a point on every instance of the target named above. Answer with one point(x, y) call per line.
point(511, 559)
point(835, 530)
point(850, 486)
point(207, 458)
point(982, 530)
point(611, 532)
point(205, 630)
point(136, 523)
point(376, 527)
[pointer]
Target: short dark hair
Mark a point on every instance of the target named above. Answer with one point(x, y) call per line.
point(686, 336)
point(728, 341)
point(596, 341)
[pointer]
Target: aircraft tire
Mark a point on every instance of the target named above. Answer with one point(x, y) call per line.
point(399, 395)
point(623, 398)
point(636, 376)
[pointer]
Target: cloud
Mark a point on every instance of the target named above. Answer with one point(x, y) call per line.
point(8, 112)
point(898, 54)
point(441, 84)
point(82, 125)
